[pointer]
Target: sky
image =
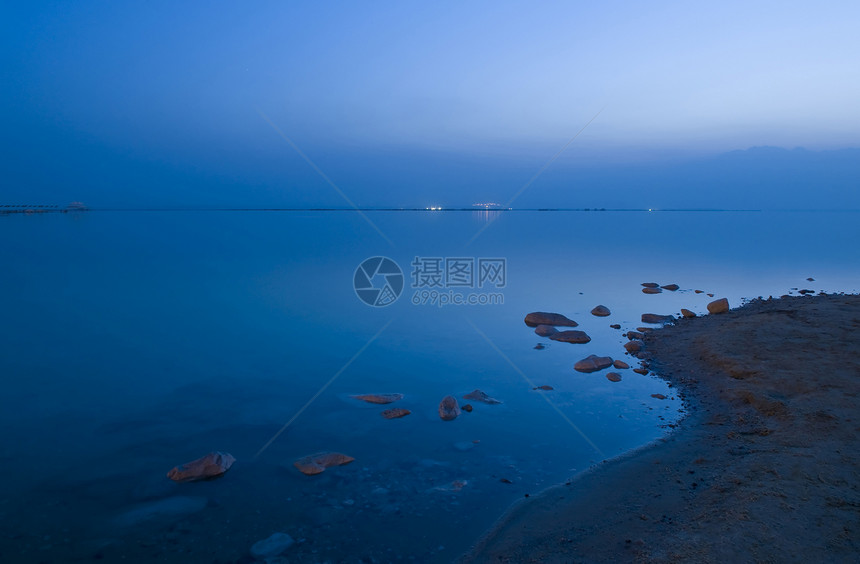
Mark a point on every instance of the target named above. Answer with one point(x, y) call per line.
point(399, 103)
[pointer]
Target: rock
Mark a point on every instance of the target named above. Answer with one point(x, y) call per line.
point(687, 313)
point(478, 395)
point(670, 287)
point(571, 337)
point(658, 396)
point(805, 291)
point(719, 306)
point(601, 311)
point(543, 318)
point(644, 329)
point(545, 330)
point(633, 335)
point(613, 376)
point(317, 463)
point(633, 346)
point(650, 284)
point(273, 546)
point(710, 295)
point(654, 318)
point(652, 291)
point(810, 279)
point(395, 413)
point(378, 398)
point(468, 408)
point(699, 291)
point(593, 363)
point(448, 408)
point(211, 466)
point(540, 346)
point(547, 388)
point(642, 371)
point(621, 365)
point(615, 326)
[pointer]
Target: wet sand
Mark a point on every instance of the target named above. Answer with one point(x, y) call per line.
point(765, 468)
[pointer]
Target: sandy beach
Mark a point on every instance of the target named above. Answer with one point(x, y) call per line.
point(763, 469)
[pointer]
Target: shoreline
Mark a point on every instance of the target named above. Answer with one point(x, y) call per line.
point(764, 467)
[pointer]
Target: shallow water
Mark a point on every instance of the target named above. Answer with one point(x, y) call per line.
point(135, 341)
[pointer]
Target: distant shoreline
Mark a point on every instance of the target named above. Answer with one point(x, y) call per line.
point(764, 467)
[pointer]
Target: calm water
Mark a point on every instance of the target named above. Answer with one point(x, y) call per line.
point(135, 341)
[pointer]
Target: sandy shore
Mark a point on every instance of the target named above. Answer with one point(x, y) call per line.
point(766, 468)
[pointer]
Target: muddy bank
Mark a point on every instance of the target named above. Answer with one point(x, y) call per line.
point(766, 468)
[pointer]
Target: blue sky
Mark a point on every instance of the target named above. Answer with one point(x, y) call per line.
point(173, 92)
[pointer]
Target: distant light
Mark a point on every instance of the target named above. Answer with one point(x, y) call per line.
point(649, 209)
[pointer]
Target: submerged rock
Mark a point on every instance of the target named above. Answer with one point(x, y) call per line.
point(650, 285)
point(572, 336)
point(378, 398)
point(317, 463)
point(687, 313)
point(633, 335)
point(601, 311)
point(719, 306)
point(670, 287)
point(658, 396)
point(613, 376)
point(543, 318)
point(642, 371)
point(448, 408)
point(540, 346)
point(544, 387)
point(654, 318)
point(652, 291)
point(633, 346)
point(621, 365)
point(273, 546)
point(478, 395)
point(545, 330)
point(395, 413)
point(211, 466)
point(616, 326)
point(593, 363)
point(468, 408)
point(176, 506)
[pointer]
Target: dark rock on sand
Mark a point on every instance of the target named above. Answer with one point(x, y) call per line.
point(271, 547)
point(317, 463)
point(719, 306)
point(620, 364)
point(687, 313)
point(601, 311)
point(545, 330)
point(211, 466)
point(395, 413)
point(572, 336)
point(650, 284)
point(593, 363)
point(654, 318)
point(378, 398)
point(448, 408)
point(652, 291)
point(480, 396)
point(543, 318)
point(633, 346)
point(670, 287)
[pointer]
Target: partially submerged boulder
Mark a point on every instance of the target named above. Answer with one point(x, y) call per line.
point(448, 408)
point(719, 306)
point(478, 395)
point(613, 376)
point(650, 285)
point(593, 363)
point(543, 318)
point(654, 318)
point(378, 398)
point(317, 463)
point(395, 413)
point(652, 291)
point(687, 313)
point(545, 330)
point(211, 466)
point(621, 365)
point(634, 346)
point(601, 311)
point(572, 336)
point(670, 287)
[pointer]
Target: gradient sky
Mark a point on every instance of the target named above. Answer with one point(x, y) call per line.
point(174, 92)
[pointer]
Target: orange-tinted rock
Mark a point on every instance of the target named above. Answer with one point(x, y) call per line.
point(644, 329)
point(395, 413)
point(642, 371)
point(543, 318)
point(719, 306)
point(547, 388)
point(658, 396)
point(710, 295)
point(478, 395)
point(572, 336)
point(593, 363)
point(613, 376)
point(633, 346)
point(468, 408)
point(621, 365)
point(687, 313)
point(545, 330)
point(448, 408)
point(317, 463)
point(654, 318)
point(378, 398)
point(699, 291)
point(212, 465)
point(540, 346)
point(650, 284)
point(633, 335)
point(670, 287)
point(601, 311)
point(615, 326)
